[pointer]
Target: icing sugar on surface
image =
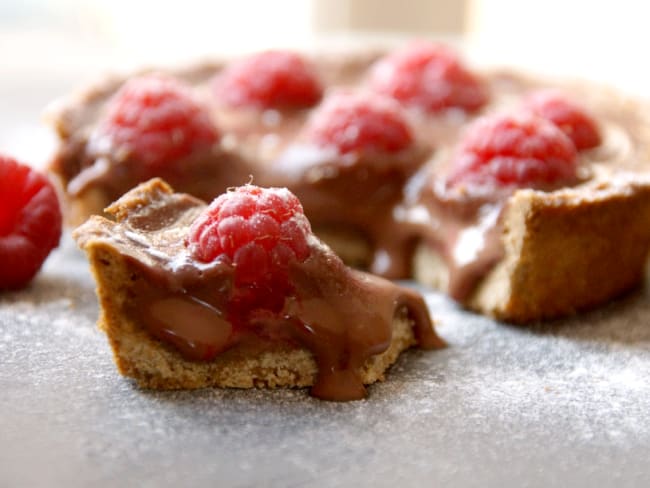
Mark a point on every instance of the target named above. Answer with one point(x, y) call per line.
point(563, 403)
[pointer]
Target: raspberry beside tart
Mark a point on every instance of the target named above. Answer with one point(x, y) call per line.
point(30, 222)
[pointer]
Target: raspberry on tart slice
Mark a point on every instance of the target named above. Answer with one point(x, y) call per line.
point(430, 77)
point(269, 80)
point(568, 115)
point(30, 222)
point(156, 120)
point(259, 231)
point(241, 294)
point(359, 123)
point(520, 151)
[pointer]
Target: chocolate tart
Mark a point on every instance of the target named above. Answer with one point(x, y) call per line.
point(165, 313)
point(536, 254)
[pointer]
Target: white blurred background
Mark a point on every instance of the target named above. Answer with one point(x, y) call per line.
point(49, 46)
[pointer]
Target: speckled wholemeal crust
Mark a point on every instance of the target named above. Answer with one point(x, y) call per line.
point(154, 364)
point(565, 251)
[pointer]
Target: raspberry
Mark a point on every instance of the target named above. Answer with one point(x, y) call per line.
point(270, 79)
point(157, 120)
point(259, 231)
point(353, 122)
point(504, 150)
point(428, 76)
point(567, 115)
point(30, 222)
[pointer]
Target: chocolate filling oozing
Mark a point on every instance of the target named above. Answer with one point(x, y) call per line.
point(393, 207)
point(342, 316)
point(356, 192)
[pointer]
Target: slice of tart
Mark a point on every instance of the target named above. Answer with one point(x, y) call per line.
point(241, 294)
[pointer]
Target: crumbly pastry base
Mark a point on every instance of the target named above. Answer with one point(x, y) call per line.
point(565, 251)
point(154, 364)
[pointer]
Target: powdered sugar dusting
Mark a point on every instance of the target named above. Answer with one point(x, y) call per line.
point(565, 403)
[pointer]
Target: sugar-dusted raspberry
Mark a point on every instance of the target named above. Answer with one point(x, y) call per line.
point(353, 122)
point(428, 76)
point(270, 79)
point(156, 120)
point(30, 222)
point(259, 231)
point(506, 150)
point(569, 116)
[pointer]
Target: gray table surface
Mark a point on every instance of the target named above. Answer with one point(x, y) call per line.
point(565, 403)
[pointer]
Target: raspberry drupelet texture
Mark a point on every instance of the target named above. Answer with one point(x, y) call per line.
point(430, 77)
point(519, 151)
point(260, 231)
point(359, 123)
point(573, 119)
point(156, 120)
point(270, 79)
point(30, 222)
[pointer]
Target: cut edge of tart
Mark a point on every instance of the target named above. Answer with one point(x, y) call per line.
point(564, 251)
point(157, 363)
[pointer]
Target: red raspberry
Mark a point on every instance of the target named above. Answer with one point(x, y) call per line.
point(270, 79)
point(567, 115)
point(30, 222)
point(353, 122)
point(157, 120)
point(428, 76)
point(260, 231)
point(524, 152)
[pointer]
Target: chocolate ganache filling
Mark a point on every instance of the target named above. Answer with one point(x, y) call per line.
point(342, 316)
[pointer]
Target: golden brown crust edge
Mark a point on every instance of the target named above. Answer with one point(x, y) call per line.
point(565, 251)
point(155, 365)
